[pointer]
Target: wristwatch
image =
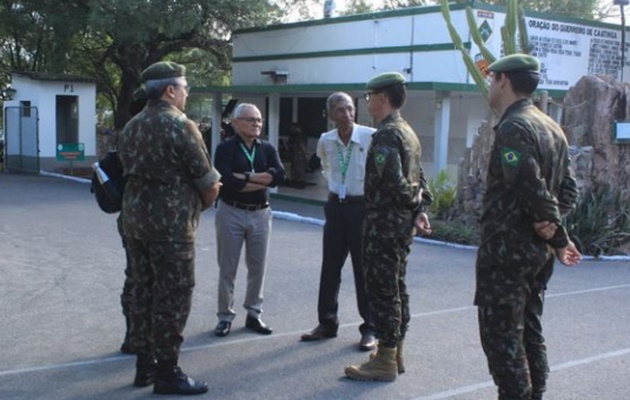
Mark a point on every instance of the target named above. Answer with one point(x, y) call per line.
point(247, 174)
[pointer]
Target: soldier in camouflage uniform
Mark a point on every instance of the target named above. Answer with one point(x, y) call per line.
point(395, 196)
point(529, 189)
point(139, 101)
point(170, 180)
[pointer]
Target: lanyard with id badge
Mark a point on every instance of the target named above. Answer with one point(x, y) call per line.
point(344, 162)
point(250, 156)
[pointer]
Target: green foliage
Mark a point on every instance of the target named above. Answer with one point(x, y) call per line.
point(458, 43)
point(114, 40)
point(367, 6)
point(455, 232)
point(568, 8)
point(514, 19)
point(444, 194)
point(358, 7)
point(600, 223)
point(137, 33)
point(395, 4)
point(508, 31)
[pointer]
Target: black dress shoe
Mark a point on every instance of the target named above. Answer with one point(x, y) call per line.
point(146, 369)
point(320, 332)
point(223, 328)
point(178, 383)
point(368, 342)
point(257, 325)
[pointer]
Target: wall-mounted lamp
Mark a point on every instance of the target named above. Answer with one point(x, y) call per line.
point(7, 93)
point(277, 75)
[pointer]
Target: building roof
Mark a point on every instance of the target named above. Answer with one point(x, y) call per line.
point(54, 77)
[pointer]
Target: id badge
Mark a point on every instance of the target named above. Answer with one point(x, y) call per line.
point(342, 191)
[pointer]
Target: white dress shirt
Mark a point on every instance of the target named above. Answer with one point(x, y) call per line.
point(331, 150)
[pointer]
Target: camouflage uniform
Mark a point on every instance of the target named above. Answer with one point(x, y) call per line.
point(393, 180)
point(126, 295)
point(528, 181)
point(165, 160)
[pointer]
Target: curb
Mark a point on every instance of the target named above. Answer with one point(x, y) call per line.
point(287, 216)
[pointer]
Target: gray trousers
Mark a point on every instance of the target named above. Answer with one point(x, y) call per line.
point(233, 227)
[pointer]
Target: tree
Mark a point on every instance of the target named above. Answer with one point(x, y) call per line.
point(585, 9)
point(34, 34)
point(358, 7)
point(137, 33)
point(395, 4)
point(365, 6)
point(114, 40)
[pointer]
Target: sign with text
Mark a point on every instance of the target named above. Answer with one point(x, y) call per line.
point(566, 50)
point(70, 152)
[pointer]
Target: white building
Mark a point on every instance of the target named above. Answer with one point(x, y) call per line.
point(50, 118)
point(289, 70)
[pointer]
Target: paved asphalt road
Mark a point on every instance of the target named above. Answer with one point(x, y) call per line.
point(60, 323)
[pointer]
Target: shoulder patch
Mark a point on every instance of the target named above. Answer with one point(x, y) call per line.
point(380, 158)
point(510, 157)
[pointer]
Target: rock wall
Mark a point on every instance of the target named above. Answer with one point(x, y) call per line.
point(591, 108)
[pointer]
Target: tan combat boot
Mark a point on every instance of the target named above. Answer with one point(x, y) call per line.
point(381, 367)
point(400, 361)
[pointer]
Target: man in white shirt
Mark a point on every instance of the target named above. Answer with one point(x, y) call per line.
point(343, 152)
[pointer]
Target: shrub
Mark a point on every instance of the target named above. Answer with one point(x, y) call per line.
point(444, 194)
point(454, 232)
point(600, 224)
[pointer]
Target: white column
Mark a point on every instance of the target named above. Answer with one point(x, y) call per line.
point(273, 122)
point(442, 127)
point(217, 110)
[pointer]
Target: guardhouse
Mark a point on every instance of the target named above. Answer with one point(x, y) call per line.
point(50, 123)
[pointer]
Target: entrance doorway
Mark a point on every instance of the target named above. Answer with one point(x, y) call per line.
point(67, 112)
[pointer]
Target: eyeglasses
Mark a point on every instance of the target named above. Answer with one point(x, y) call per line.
point(186, 87)
point(251, 120)
point(368, 95)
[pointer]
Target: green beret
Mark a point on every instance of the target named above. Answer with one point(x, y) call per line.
point(384, 80)
point(516, 62)
point(163, 70)
point(139, 94)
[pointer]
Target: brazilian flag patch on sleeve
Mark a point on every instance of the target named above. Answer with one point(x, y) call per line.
point(380, 158)
point(510, 157)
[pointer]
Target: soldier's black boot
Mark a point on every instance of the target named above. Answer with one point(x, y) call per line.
point(126, 344)
point(124, 347)
point(172, 380)
point(537, 395)
point(146, 369)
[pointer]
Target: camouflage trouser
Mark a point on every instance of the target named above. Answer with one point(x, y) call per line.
point(125, 297)
point(511, 337)
point(163, 275)
point(385, 265)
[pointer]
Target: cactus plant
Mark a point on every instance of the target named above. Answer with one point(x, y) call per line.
point(514, 19)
